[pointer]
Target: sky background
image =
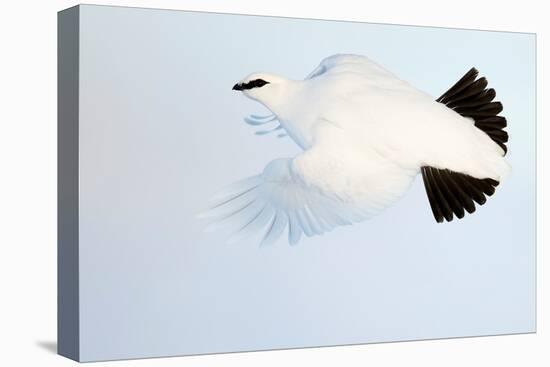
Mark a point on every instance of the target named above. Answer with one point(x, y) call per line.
point(161, 131)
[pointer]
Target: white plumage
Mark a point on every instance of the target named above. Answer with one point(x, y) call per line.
point(365, 135)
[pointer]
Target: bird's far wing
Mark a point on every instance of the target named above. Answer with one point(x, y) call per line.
point(452, 192)
point(321, 69)
point(257, 121)
point(356, 64)
point(276, 200)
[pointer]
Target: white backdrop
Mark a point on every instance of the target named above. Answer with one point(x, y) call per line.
point(28, 184)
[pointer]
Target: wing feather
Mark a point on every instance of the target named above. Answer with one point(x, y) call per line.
point(255, 225)
point(232, 205)
point(276, 228)
point(294, 229)
point(278, 200)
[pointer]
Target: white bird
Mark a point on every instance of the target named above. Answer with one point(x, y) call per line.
point(365, 135)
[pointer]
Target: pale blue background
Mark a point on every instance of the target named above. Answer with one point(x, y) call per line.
point(161, 131)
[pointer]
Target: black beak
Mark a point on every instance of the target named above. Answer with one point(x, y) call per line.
point(237, 87)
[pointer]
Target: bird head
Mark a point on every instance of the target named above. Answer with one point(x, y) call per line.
point(267, 89)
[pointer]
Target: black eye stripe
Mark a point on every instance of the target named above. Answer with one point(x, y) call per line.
point(256, 83)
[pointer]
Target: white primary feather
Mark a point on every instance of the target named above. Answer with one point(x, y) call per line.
point(286, 193)
point(365, 135)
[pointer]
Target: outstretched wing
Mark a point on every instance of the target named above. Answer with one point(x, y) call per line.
point(278, 199)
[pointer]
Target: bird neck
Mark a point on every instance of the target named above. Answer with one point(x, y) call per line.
point(280, 101)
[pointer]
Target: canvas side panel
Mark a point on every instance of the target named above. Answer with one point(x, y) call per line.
point(67, 183)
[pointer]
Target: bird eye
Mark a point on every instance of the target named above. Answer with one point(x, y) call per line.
point(259, 83)
point(256, 83)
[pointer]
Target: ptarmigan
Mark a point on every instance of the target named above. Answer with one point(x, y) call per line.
point(365, 135)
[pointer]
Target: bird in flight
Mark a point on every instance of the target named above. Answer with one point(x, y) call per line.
point(365, 135)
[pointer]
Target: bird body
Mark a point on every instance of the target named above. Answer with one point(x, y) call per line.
point(365, 135)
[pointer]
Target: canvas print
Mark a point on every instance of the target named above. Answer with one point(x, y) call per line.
point(238, 183)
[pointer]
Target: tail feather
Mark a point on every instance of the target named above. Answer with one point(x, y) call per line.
point(471, 98)
point(452, 193)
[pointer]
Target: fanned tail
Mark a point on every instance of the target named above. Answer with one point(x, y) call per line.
point(453, 193)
